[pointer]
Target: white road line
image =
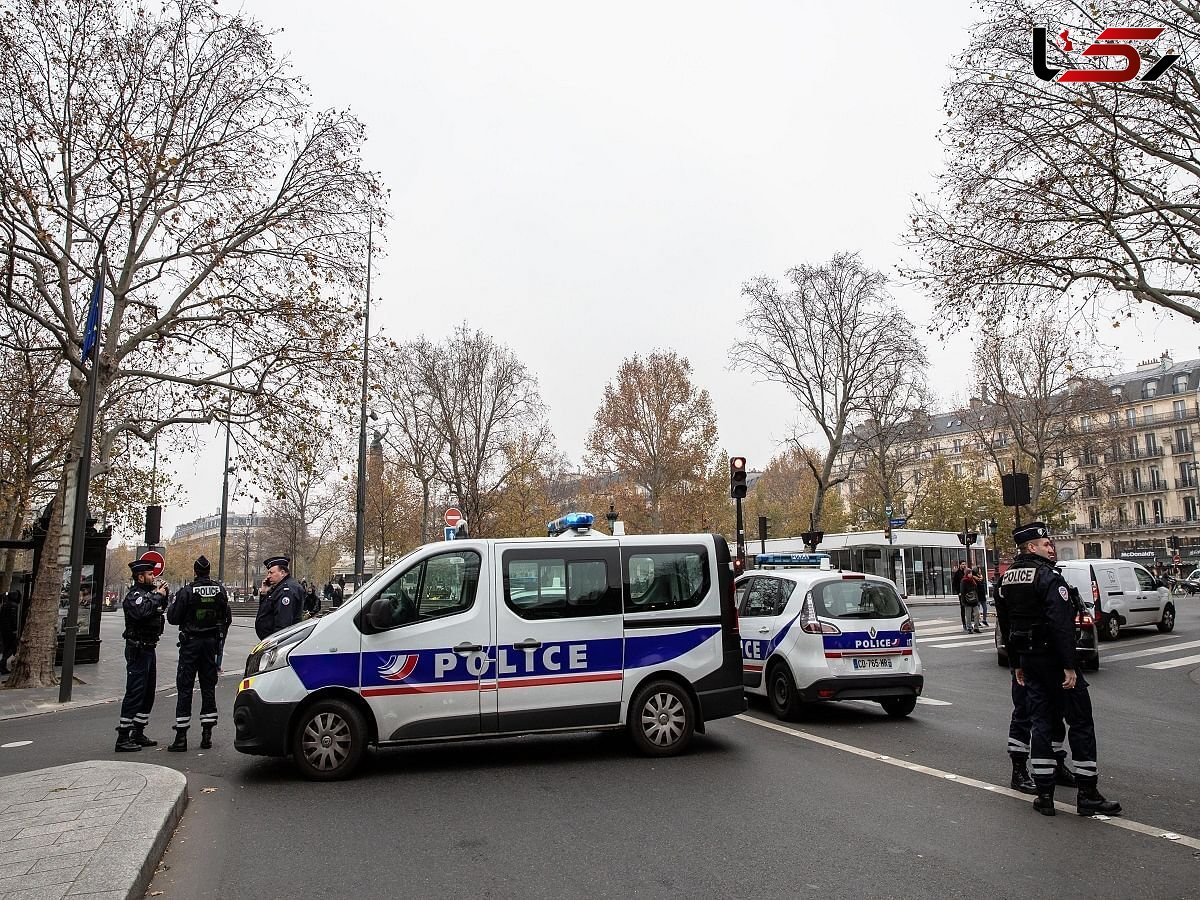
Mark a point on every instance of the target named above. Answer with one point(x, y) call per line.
point(1172, 663)
point(1127, 824)
point(14, 744)
point(929, 701)
point(941, 629)
point(921, 623)
point(1151, 651)
point(978, 642)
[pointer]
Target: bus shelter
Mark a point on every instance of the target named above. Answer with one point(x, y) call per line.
point(920, 562)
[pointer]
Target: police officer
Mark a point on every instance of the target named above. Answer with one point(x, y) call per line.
point(201, 610)
point(143, 607)
point(1020, 724)
point(1041, 621)
point(280, 599)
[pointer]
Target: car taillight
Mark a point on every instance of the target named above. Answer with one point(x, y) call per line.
point(1095, 593)
point(810, 623)
point(854, 578)
point(1084, 620)
point(907, 627)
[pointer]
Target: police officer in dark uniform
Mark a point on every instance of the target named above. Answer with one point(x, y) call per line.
point(201, 610)
point(1020, 725)
point(1041, 623)
point(143, 607)
point(280, 599)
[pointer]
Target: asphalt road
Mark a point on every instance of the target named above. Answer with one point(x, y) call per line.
point(757, 808)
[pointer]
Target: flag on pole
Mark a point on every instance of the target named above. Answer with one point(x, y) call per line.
point(91, 331)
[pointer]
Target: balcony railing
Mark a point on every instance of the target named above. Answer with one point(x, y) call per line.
point(1181, 483)
point(1155, 418)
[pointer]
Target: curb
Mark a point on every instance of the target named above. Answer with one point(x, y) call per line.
point(123, 862)
point(52, 707)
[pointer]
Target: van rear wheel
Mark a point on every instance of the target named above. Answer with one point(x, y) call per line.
point(898, 707)
point(329, 740)
point(1110, 627)
point(661, 719)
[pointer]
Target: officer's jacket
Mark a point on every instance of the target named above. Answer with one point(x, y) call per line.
point(143, 607)
point(281, 607)
point(200, 608)
point(1034, 599)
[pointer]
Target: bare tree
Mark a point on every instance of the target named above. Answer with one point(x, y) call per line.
point(832, 340)
point(306, 509)
point(175, 142)
point(655, 427)
point(1053, 187)
point(1048, 407)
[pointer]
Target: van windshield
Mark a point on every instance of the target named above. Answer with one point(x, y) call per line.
point(857, 600)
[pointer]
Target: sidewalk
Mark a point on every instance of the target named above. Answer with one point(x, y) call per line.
point(86, 830)
point(104, 682)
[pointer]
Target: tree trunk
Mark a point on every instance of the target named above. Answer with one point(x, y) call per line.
point(33, 665)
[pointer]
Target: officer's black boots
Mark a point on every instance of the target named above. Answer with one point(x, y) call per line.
point(1044, 802)
point(179, 745)
point(125, 743)
point(1020, 778)
point(1091, 802)
point(206, 737)
point(1062, 775)
point(139, 737)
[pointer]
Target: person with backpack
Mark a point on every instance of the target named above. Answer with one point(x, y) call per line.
point(968, 598)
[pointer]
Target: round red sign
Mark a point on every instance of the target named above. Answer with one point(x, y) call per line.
point(157, 558)
point(453, 516)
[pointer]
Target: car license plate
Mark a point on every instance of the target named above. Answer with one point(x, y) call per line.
point(872, 662)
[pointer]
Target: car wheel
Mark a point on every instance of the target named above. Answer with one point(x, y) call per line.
point(1110, 627)
point(781, 689)
point(898, 707)
point(329, 740)
point(1167, 623)
point(661, 719)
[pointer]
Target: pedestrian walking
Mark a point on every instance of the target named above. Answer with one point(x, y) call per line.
point(1042, 634)
point(981, 592)
point(280, 599)
point(10, 613)
point(312, 603)
point(339, 591)
point(144, 622)
point(956, 578)
point(201, 610)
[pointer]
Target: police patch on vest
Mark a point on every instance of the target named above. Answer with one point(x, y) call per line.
point(1019, 576)
point(285, 601)
point(1062, 592)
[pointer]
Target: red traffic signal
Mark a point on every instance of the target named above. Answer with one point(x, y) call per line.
point(737, 477)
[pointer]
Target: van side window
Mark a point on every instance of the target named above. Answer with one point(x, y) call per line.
point(439, 586)
point(541, 585)
point(1146, 581)
point(666, 578)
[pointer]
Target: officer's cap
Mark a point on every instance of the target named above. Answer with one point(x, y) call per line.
point(201, 566)
point(284, 562)
point(138, 566)
point(1030, 531)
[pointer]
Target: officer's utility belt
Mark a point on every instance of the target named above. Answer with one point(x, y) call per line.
point(197, 635)
point(141, 645)
point(1029, 640)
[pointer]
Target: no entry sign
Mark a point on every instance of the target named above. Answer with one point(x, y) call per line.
point(453, 517)
point(157, 558)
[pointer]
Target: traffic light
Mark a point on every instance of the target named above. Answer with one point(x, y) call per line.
point(764, 528)
point(153, 525)
point(739, 566)
point(737, 477)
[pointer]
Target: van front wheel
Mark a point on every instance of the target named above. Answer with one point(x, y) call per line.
point(329, 740)
point(661, 719)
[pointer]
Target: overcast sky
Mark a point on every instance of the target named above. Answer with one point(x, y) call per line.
point(589, 181)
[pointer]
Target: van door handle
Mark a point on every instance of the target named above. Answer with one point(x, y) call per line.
point(468, 648)
point(528, 644)
point(764, 631)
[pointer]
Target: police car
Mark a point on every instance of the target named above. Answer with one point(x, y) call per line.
point(811, 633)
point(483, 638)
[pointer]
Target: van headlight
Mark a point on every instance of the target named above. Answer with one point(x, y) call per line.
point(273, 654)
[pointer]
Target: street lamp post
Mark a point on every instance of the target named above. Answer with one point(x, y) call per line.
point(225, 471)
point(360, 494)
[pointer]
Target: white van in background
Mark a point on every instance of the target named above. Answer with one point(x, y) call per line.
point(1123, 594)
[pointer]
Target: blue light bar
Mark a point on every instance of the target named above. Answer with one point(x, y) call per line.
point(795, 560)
point(576, 521)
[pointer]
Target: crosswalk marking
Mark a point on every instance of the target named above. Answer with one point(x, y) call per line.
point(941, 629)
point(977, 642)
point(1151, 651)
point(929, 701)
point(1172, 663)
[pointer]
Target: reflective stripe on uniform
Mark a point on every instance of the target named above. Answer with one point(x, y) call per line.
point(1043, 766)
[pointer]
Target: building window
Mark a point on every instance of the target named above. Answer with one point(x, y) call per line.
point(1122, 514)
point(1131, 417)
point(957, 446)
point(958, 470)
point(1089, 456)
point(1148, 415)
point(1150, 389)
point(1089, 486)
point(1122, 485)
point(1179, 409)
point(1183, 440)
point(1085, 423)
point(1136, 479)
point(1187, 475)
point(1180, 383)
point(1157, 507)
point(1151, 444)
point(1139, 513)
point(1132, 446)
point(1060, 458)
point(1156, 481)
point(1189, 509)
point(1094, 516)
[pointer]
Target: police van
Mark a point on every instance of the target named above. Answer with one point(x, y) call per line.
point(483, 638)
point(811, 633)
